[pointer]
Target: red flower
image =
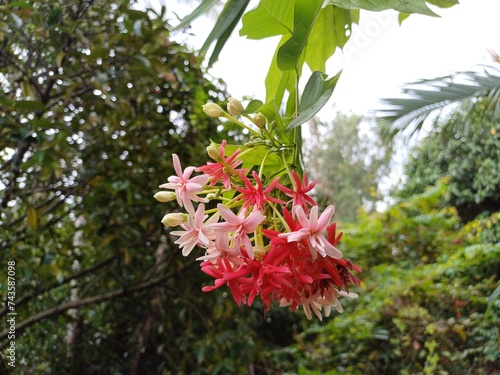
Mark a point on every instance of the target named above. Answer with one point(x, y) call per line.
point(226, 273)
point(256, 196)
point(224, 169)
point(299, 194)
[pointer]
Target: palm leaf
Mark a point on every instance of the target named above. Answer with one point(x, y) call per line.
point(426, 99)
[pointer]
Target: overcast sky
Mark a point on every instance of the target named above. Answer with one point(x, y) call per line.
point(380, 56)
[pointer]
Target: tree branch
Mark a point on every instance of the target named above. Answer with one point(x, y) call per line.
point(57, 309)
point(25, 299)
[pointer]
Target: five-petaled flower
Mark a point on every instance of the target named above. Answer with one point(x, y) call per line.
point(240, 226)
point(313, 230)
point(299, 194)
point(194, 233)
point(256, 196)
point(186, 187)
point(224, 168)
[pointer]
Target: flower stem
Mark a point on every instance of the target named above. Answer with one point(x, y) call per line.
point(237, 122)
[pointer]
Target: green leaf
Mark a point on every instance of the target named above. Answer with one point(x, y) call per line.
point(17, 20)
point(253, 106)
point(271, 111)
point(201, 9)
point(277, 81)
point(60, 58)
point(494, 296)
point(20, 4)
point(253, 156)
point(402, 17)
point(270, 18)
point(317, 92)
point(144, 60)
point(305, 13)
point(30, 105)
point(138, 27)
point(443, 3)
point(330, 30)
point(404, 6)
point(55, 17)
point(226, 23)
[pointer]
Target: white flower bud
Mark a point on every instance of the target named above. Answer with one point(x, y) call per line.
point(213, 110)
point(234, 107)
point(164, 196)
point(173, 220)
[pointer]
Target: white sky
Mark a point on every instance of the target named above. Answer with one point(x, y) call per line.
point(380, 56)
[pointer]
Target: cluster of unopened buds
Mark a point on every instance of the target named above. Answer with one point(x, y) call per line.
point(260, 235)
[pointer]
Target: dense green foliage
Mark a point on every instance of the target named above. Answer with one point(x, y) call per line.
point(424, 305)
point(469, 154)
point(95, 98)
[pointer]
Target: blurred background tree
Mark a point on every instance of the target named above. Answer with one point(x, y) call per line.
point(469, 154)
point(95, 99)
point(349, 160)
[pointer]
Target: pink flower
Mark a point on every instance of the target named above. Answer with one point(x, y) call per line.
point(220, 249)
point(313, 230)
point(330, 299)
point(256, 196)
point(185, 187)
point(299, 194)
point(240, 225)
point(195, 232)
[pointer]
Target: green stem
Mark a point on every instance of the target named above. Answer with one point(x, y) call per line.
point(297, 133)
point(238, 122)
point(263, 163)
point(282, 219)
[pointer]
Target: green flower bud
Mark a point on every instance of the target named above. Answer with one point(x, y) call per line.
point(260, 120)
point(213, 152)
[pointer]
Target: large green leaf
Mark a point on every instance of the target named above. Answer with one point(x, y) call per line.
point(443, 3)
point(270, 18)
point(277, 80)
point(330, 30)
point(317, 92)
point(253, 157)
point(404, 6)
point(201, 9)
point(225, 24)
point(221, 41)
point(305, 13)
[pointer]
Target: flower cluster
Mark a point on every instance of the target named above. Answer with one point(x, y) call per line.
point(260, 234)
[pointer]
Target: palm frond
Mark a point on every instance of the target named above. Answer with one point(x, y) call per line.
point(425, 99)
